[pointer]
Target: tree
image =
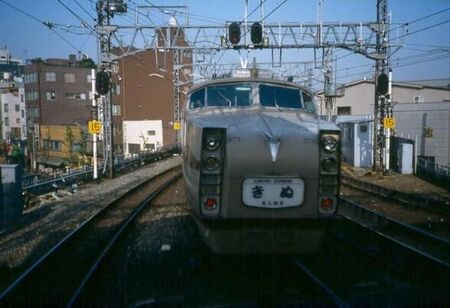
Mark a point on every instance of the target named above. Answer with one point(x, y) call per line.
point(83, 146)
point(88, 63)
point(69, 142)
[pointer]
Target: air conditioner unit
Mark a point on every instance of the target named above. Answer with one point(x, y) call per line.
point(418, 99)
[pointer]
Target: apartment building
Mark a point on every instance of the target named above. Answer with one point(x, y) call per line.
point(56, 95)
point(143, 98)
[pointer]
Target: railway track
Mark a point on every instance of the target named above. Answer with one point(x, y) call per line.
point(427, 202)
point(57, 278)
point(362, 266)
point(426, 244)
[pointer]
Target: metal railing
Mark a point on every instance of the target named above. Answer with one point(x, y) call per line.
point(432, 172)
point(42, 183)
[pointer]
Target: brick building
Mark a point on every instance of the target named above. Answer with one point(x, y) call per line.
point(143, 98)
point(56, 94)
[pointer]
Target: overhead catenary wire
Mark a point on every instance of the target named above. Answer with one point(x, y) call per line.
point(48, 24)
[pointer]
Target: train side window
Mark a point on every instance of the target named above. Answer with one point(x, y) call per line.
point(197, 99)
point(308, 102)
point(282, 97)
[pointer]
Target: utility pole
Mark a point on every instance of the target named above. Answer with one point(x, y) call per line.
point(105, 11)
point(176, 94)
point(328, 81)
point(94, 117)
point(381, 106)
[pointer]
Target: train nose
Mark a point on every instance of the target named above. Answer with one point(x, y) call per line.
point(267, 145)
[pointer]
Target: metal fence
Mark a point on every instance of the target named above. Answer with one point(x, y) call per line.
point(43, 183)
point(432, 172)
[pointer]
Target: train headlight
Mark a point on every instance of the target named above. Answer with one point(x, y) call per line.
point(329, 143)
point(211, 163)
point(212, 142)
point(329, 164)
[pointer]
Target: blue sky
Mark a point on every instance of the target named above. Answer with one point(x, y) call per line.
point(26, 37)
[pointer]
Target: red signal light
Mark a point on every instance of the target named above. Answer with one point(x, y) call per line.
point(234, 33)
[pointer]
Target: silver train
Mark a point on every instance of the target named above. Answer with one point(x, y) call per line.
point(261, 169)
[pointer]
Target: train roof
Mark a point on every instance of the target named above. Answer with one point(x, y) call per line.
point(245, 79)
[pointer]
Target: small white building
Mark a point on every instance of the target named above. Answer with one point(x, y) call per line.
point(141, 136)
point(12, 115)
point(357, 140)
point(359, 97)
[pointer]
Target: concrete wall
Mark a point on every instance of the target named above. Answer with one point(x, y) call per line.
point(144, 133)
point(429, 125)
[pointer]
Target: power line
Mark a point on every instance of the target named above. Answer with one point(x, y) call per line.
point(86, 11)
point(421, 18)
point(423, 29)
point(45, 23)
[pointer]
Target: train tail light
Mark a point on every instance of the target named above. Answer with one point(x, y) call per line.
point(211, 171)
point(330, 158)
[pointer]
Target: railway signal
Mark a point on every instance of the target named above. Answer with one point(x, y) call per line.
point(256, 33)
point(234, 33)
point(102, 83)
point(383, 84)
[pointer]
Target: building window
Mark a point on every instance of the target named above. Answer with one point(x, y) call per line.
point(115, 89)
point(23, 113)
point(30, 78)
point(51, 95)
point(344, 110)
point(50, 76)
point(52, 145)
point(134, 148)
point(81, 96)
point(21, 98)
point(89, 78)
point(69, 78)
point(32, 95)
point(5, 108)
point(17, 120)
point(33, 112)
point(116, 110)
point(17, 108)
point(6, 121)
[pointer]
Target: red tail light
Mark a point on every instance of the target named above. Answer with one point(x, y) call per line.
point(210, 203)
point(330, 157)
point(211, 172)
point(327, 203)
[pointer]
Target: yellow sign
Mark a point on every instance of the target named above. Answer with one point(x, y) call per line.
point(389, 122)
point(176, 125)
point(95, 127)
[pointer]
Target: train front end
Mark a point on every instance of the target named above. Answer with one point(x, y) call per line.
point(261, 171)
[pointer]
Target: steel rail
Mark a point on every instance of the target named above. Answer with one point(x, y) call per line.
point(425, 242)
point(425, 202)
point(323, 286)
point(68, 239)
point(116, 236)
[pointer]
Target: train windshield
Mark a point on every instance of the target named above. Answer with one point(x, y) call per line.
point(280, 97)
point(229, 95)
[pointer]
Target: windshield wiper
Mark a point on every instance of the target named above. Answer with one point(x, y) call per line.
point(226, 99)
point(276, 103)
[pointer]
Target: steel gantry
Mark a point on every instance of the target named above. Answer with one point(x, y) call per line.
point(368, 39)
